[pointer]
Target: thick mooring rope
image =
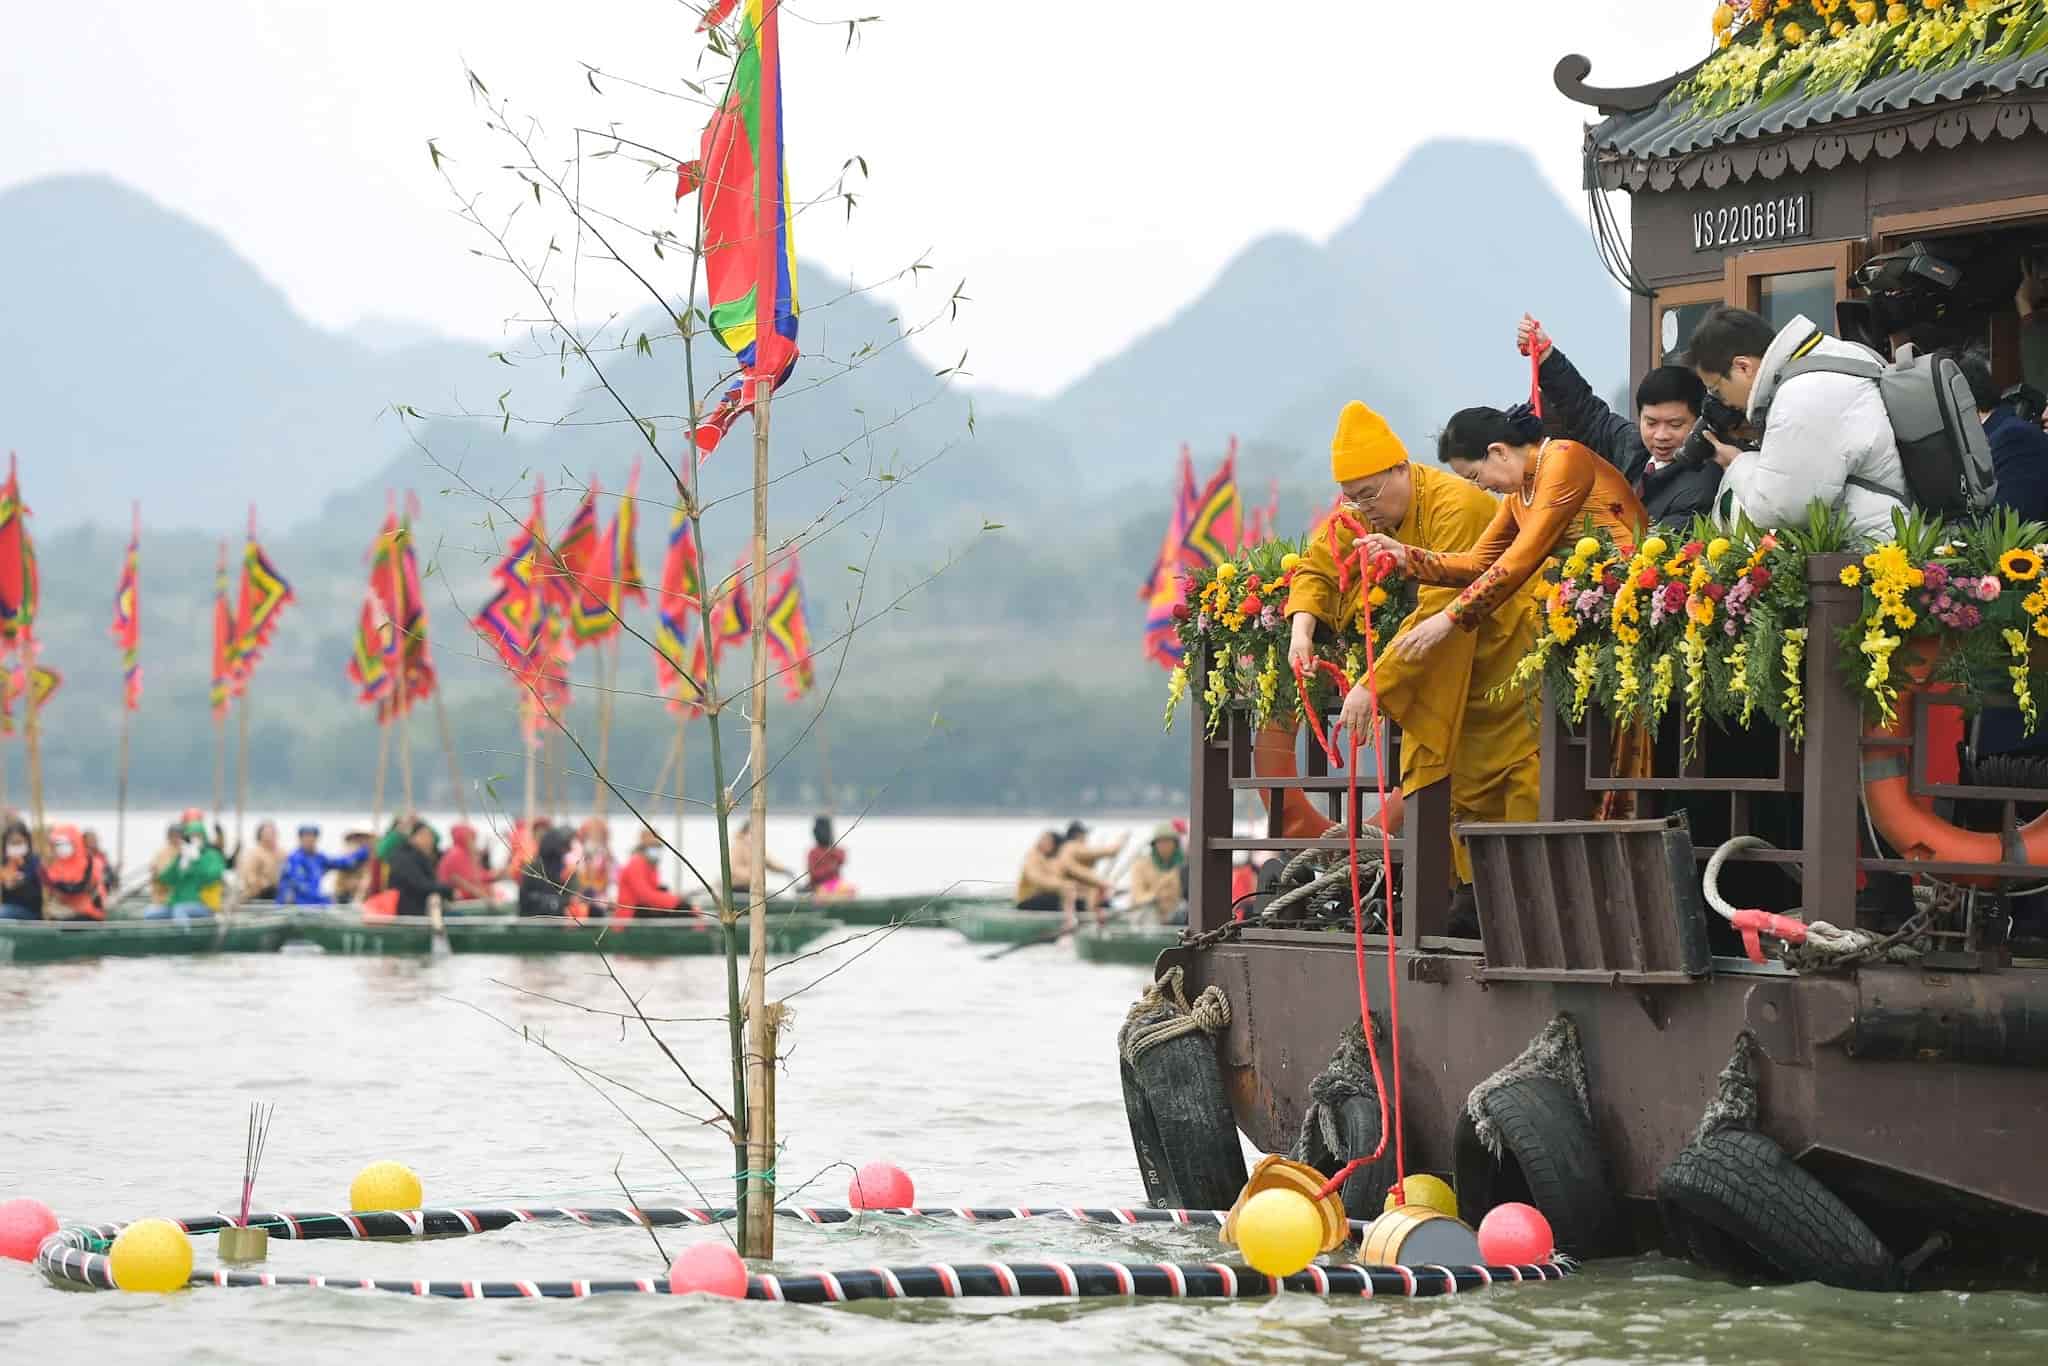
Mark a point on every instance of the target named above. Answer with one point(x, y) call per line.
point(1166, 1002)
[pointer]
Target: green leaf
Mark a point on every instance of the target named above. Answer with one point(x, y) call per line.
point(643, 346)
point(435, 153)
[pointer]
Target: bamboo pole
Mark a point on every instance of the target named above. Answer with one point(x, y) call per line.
point(530, 744)
point(220, 763)
point(825, 763)
point(5, 764)
point(607, 684)
point(682, 784)
point(120, 793)
point(35, 760)
point(404, 736)
point(383, 764)
point(759, 1221)
point(448, 746)
point(241, 764)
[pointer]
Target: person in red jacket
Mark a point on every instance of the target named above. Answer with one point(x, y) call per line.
point(74, 878)
point(461, 869)
point(640, 889)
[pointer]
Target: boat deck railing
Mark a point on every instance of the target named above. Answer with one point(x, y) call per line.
point(1821, 774)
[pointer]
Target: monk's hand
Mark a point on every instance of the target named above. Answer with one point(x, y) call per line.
point(1357, 713)
point(1378, 543)
point(1419, 639)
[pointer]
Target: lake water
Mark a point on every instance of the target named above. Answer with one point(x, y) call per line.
point(128, 1083)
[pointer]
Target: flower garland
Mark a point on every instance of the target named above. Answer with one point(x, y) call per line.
point(1234, 614)
point(1773, 49)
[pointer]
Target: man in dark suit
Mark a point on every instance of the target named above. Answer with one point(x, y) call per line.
point(1645, 450)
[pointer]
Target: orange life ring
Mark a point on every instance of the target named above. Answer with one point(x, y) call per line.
point(1273, 757)
point(1908, 822)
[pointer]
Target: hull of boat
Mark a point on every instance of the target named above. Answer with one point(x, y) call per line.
point(1000, 924)
point(1137, 945)
point(928, 911)
point(57, 941)
point(346, 932)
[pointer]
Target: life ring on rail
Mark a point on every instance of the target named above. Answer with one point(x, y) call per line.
point(1273, 757)
point(1182, 1131)
point(1549, 1157)
point(1734, 1203)
point(1908, 821)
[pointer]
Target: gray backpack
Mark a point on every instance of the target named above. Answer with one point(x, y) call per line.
point(1942, 446)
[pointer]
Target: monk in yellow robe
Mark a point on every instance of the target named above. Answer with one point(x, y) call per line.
point(1450, 726)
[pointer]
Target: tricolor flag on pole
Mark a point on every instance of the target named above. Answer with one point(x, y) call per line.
point(127, 629)
point(675, 620)
point(789, 633)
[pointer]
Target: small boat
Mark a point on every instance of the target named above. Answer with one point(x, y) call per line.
point(1002, 923)
point(928, 910)
point(349, 932)
point(56, 941)
point(1116, 942)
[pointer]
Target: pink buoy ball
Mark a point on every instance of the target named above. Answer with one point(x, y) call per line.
point(708, 1269)
point(23, 1226)
point(1515, 1235)
point(881, 1185)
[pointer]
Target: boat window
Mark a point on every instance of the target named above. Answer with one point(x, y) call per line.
point(1679, 309)
point(1781, 298)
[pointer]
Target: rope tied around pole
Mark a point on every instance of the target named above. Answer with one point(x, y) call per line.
point(1369, 568)
point(1164, 1013)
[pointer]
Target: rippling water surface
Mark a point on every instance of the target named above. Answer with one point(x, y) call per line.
point(127, 1086)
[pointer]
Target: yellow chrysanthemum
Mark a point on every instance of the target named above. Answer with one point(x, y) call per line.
point(1864, 10)
point(1851, 576)
point(1716, 548)
point(1724, 16)
point(2034, 603)
point(1653, 548)
point(1226, 572)
point(1587, 548)
point(1289, 562)
point(1896, 12)
point(2021, 566)
point(1794, 35)
point(1377, 597)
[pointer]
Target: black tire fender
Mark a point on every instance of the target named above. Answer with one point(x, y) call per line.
point(1182, 1131)
point(1735, 1203)
point(1358, 1126)
point(1549, 1158)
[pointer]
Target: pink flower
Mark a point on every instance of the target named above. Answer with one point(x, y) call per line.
point(1971, 618)
point(1988, 588)
point(1937, 577)
point(1674, 596)
point(1943, 603)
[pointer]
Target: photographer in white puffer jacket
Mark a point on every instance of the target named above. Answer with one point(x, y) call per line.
point(1825, 436)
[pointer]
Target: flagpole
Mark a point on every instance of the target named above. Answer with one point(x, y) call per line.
point(121, 792)
point(526, 742)
point(383, 763)
point(404, 735)
point(608, 680)
point(241, 763)
point(760, 1209)
point(220, 762)
point(448, 745)
point(35, 754)
point(682, 770)
point(824, 761)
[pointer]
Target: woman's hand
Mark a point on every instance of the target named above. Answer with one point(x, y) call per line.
point(1530, 338)
point(1357, 714)
point(1419, 639)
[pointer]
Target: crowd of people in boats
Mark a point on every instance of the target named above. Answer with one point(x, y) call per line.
point(1063, 873)
point(550, 868)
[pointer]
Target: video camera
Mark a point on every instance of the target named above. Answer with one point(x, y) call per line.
point(2027, 402)
point(1721, 420)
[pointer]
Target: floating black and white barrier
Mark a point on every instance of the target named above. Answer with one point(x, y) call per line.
point(75, 1257)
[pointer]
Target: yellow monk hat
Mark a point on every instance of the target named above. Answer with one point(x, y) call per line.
point(1364, 444)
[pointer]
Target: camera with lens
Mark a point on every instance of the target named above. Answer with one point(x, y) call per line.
point(2026, 402)
point(1722, 420)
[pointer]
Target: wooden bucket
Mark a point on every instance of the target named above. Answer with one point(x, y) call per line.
point(244, 1244)
point(1416, 1235)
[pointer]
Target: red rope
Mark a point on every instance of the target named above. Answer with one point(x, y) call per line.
point(1368, 572)
point(1535, 355)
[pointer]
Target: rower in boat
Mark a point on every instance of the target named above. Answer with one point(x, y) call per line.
point(541, 887)
point(258, 865)
point(74, 878)
point(413, 871)
point(191, 882)
point(1079, 860)
point(824, 864)
point(298, 884)
point(641, 892)
point(742, 855)
point(462, 869)
point(592, 871)
point(21, 876)
point(1156, 879)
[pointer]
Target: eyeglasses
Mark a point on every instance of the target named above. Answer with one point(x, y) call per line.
point(1366, 504)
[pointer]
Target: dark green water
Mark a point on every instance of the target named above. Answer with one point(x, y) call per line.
point(128, 1085)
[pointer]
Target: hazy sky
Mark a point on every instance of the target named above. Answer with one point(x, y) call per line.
point(1086, 168)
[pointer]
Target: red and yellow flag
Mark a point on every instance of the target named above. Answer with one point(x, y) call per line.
point(675, 620)
point(789, 633)
point(223, 639)
point(127, 628)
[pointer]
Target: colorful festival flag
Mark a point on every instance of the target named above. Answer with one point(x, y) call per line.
point(401, 603)
point(374, 653)
point(789, 633)
point(19, 583)
point(627, 584)
point(732, 620)
point(1162, 591)
point(1214, 531)
point(261, 604)
point(587, 570)
point(40, 683)
point(127, 628)
point(742, 191)
point(675, 619)
point(223, 639)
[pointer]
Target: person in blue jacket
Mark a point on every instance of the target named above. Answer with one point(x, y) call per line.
point(2019, 448)
point(300, 882)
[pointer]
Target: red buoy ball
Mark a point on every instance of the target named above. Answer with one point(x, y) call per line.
point(24, 1224)
point(881, 1185)
point(1515, 1235)
point(708, 1269)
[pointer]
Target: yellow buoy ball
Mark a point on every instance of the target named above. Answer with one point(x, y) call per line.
point(385, 1185)
point(1424, 1189)
point(1279, 1231)
point(152, 1256)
